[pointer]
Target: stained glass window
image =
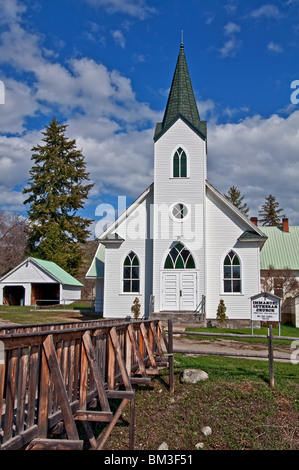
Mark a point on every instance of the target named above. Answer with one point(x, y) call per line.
point(179, 258)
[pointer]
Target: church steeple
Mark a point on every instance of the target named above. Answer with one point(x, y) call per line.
point(181, 101)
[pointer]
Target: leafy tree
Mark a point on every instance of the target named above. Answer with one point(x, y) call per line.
point(57, 190)
point(234, 196)
point(270, 212)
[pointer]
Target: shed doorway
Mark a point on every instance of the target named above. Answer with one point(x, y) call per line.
point(14, 295)
point(45, 294)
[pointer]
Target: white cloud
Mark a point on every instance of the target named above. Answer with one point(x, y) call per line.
point(119, 38)
point(231, 28)
point(135, 8)
point(98, 104)
point(230, 48)
point(273, 47)
point(267, 11)
point(233, 44)
point(260, 157)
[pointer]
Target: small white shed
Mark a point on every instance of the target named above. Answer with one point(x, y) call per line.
point(40, 282)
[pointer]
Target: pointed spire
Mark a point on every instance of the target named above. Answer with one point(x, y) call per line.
point(181, 100)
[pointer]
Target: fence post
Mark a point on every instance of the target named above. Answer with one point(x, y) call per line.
point(270, 355)
point(170, 356)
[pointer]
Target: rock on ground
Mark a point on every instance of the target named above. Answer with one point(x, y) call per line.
point(193, 376)
point(163, 446)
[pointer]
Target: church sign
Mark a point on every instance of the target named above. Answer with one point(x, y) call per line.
point(265, 307)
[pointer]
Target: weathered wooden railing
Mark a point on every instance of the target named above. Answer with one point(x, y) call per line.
point(51, 378)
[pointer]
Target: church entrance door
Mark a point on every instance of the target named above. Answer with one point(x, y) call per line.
point(179, 280)
point(179, 290)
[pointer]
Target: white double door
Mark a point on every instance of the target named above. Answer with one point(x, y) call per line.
point(179, 290)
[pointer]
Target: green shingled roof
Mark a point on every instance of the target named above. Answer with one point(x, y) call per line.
point(60, 274)
point(181, 100)
point(281, 250)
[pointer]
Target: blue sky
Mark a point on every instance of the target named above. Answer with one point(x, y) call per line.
point(104, 67)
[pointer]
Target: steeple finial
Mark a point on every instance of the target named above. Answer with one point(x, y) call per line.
point(182, 39)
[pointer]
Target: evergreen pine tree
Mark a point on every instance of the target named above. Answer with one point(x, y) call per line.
point(270, 212)
point(234, 196)
point(57, 190)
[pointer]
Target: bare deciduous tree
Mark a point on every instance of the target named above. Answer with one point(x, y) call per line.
point(13, 241)
point(280, 282)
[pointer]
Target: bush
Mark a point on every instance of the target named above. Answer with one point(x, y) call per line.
point(135, 309)
point(221, 315)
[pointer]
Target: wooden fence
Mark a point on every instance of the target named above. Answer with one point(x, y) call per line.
point(52, 376)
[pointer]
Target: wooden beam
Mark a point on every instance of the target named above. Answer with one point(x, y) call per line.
point(147, 345)
point(43, 396)
point(55, 444)
point(56, 376)
point(130, 394)
point(100, 416)
point(136, 350)
point(103, 438)
point(96, 371)
point(157, 341)
point(120, 360)
point(140, 380)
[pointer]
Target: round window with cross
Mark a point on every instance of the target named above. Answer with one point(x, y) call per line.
point(179, 211)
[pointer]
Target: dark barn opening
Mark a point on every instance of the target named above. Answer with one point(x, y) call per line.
point(14, 295)
point(45, 294)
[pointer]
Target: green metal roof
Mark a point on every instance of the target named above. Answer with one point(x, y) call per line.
point(181, 101)
point(281, 250)
point(98, 264)
point(60, 274)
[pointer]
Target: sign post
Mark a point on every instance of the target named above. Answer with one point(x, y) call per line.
point(265, 307)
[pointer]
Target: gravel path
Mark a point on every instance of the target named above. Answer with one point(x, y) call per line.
point(230, 348)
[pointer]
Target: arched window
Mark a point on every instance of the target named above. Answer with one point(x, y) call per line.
point(131, 279)
point(179, 258)
point(232, 273)
point(180, 164)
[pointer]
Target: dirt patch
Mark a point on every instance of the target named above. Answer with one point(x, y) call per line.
point(230, 347)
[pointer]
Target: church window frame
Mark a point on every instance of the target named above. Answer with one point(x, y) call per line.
point(180, 166)
point(131, 274)
point(179, 211)
point(232, 274)
point(179, 257)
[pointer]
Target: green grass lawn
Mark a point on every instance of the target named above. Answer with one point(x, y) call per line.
point(29, 316)
point(243, 411)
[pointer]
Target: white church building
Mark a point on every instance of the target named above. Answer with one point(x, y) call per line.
point(181, 247)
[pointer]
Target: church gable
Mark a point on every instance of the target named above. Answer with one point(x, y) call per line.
point(232, 218)
point(132, 223)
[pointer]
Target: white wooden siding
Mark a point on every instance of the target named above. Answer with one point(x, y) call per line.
point(29, 272)
point(168, 191)
point(69, 294)
point(116, 302)
point(223, 228)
